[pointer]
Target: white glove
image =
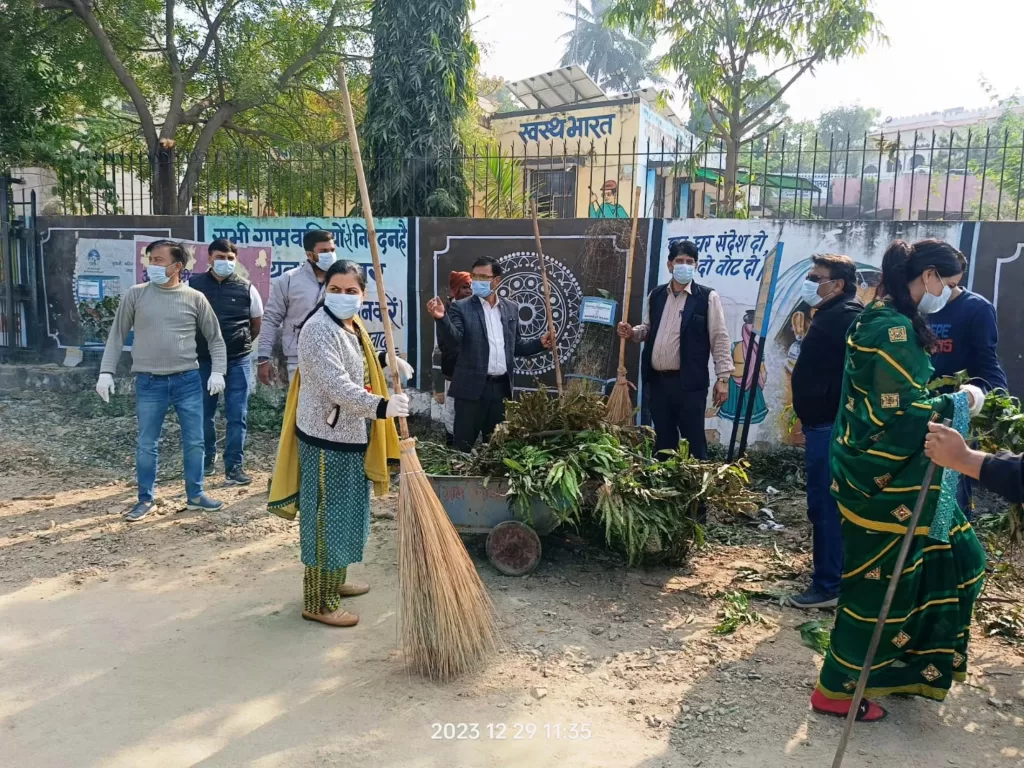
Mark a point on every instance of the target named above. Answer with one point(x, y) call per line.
point(398, 406)
point(977, 397)
point(216, 384)
point(404, 370)
point(105, 386)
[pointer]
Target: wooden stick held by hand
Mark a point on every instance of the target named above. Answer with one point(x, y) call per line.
point(371, 233)
point(883, 613)
point(629, 280)
point(547, 296)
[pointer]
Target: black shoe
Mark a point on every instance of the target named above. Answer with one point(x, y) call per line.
point(209, 468)
point(237, 477)
point(812, 598)
point(139, 512)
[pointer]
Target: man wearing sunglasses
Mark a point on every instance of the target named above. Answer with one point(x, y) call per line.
point(830, 290)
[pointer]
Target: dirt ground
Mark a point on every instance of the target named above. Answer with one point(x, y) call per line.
point(178, 642)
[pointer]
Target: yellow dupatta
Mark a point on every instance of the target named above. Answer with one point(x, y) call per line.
point(382, 446)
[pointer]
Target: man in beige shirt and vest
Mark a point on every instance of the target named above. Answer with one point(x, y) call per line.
point(684, 327)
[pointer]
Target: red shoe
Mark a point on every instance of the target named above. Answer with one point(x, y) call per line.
point(867, 712)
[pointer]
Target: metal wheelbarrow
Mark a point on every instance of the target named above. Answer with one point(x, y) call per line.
point(513, 546)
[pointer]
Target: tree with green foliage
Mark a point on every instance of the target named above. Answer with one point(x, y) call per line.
point(420, 93)
point(50, 76)
point(614, 59)
point(843, 135)
point(714, 42)
point(194, 68)
point(998, 159)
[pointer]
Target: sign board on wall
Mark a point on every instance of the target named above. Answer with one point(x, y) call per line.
point(732, 259)
point(285, 235)
point(104, 270)
point(254, 263)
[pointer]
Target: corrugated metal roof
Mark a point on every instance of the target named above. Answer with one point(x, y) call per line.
point(560, 87)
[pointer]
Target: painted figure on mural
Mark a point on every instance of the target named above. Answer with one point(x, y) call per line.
point(790, 338)
point(610, 208)
point(740, 350)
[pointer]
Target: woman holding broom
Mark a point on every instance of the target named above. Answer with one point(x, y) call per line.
point(337, 438)
point(878, 465)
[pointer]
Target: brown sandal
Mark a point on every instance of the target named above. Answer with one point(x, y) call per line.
point(353, 590)
point(334, 619)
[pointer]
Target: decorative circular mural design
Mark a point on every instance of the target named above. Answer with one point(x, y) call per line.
point(521, 284)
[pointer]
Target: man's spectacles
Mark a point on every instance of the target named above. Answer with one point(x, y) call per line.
point(821, 280)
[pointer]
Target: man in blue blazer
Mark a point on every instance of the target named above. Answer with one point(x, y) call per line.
point(485, 330)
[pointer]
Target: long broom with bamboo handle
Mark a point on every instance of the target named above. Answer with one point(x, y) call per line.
point(620, 408)
point(446, 615)
point(883, 614)
point(547, 297)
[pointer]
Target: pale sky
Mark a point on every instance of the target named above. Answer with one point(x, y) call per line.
point(937, 52)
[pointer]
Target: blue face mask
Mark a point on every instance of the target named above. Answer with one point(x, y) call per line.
point(682, 273)
point(343, 305)
point(482, 288)
point(223, 267)
point(157, 274)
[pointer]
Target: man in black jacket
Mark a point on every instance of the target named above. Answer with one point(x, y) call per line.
point(485, 331)
point(445, 356)
point(239, 310)
point(830, 289)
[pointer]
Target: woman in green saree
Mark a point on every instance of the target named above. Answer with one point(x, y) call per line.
point(878, 465)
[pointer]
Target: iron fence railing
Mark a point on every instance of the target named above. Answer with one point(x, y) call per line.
point(959, 174)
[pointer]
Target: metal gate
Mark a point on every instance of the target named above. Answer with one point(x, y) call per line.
point(20, 326)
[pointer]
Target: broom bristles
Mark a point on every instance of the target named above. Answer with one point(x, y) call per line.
point(447, 616)
point(619, 410)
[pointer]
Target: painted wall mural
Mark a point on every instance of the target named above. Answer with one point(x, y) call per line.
point(88, 262)
point(732, 257)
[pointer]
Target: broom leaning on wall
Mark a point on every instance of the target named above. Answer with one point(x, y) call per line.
point(446, 615)
point(620, 406)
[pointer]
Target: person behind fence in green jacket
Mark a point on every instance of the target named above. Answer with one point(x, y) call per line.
point(878, 466)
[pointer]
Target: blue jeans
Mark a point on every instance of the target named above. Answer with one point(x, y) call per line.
point(153, 396)
point(238, 385)
point(823, 512)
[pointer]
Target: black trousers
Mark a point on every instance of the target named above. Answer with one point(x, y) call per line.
point(677, 414)
point(474, 418)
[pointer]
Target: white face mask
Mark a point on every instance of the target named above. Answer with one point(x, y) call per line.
point(930, 303)
point(343, 305)
point(325, 259)
point(809, 293)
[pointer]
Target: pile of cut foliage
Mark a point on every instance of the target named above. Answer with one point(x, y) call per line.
point(602, 480)
point(1000, 427)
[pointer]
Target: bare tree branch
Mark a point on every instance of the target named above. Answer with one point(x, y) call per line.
point(213, 27)
point(753, 85)
point(195, 162)
point(779, 93)
point(84, 11)
point(767, 131)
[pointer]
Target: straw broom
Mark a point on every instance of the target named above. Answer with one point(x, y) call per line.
point(446, 614)
point(620, 406)
point(547, 297)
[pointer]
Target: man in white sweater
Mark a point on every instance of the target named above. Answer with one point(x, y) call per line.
point(166, 314)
